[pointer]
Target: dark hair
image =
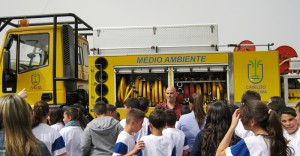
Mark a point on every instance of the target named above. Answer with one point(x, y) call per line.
point(197, 101)
point(76, 115)
point(132, 103)
point(110, 108)
point(56, 116)
point(277, 98)
point(144, 103)
point(250, 95)
point(160, 108)
point(217, 123)
point(232, 108)
point(185, 109)
point(276, 105)
point(134, 114)
point(208, 105)
point(287, 110)
point(40, 111)
point(158, 119)
point(269, 121)
point(170, 117)
point(100, 108)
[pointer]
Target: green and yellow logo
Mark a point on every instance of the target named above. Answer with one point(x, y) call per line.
point(255, 71)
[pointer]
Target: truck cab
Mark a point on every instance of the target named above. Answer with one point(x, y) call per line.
point(49, 59)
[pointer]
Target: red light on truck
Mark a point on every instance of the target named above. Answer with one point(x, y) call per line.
point(23, 23)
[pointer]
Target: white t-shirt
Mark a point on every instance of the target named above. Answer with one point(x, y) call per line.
point(51, 138)
point(252, 145)
point(294, 141)
point(142, 132)
point(58, 126)
point(158, 146)
point(241, 132)
point(178, 138)
point(72, 136)
point(125, 143)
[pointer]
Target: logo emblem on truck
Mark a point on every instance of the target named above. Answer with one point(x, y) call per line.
point(35, 79)
point(255, 71)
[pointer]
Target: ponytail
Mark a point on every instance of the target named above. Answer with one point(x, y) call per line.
point(40, 111)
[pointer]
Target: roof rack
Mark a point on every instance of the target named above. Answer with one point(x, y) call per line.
point(80, 26)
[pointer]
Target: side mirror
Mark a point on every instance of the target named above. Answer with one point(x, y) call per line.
point(8, 43)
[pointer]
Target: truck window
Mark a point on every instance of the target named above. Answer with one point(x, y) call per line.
point(85, 54)
point(13, 54)
point(34, 51)
point(80, 61)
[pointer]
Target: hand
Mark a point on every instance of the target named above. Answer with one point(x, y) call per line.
point(23, 93)
point(139, 145)
point(235, 118)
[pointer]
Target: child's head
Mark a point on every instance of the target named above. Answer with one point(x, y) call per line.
point(70, 114)
point(135, 119)
point(56, 116)
point(111, 111)
point(250, 95)
point(131, 103)
point(100, 109)
point(276, 106)
point(288, 119)
point(40, 112)
point(170, 117)
point(144, 104)
point(185, 109)
point(158, 119)
point(219, 116)
point(298, 112)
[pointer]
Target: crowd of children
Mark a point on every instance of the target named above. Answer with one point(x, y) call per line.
point(254, 128)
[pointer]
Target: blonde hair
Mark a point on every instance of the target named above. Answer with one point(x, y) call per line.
point(15, 120)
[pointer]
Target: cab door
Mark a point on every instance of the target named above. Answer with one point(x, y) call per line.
point(33, 70)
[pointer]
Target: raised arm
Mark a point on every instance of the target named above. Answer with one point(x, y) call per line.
point(226, 140)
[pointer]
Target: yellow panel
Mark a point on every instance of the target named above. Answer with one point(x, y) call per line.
point(258, 71)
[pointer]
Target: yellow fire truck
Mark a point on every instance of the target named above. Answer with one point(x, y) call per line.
point(50, 60)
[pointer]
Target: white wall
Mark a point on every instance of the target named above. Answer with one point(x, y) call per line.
point(261, 21)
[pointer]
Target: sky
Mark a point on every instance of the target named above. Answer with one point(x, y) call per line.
point(260, 21)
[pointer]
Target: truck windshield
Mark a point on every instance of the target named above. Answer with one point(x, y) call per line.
point(34, 51)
